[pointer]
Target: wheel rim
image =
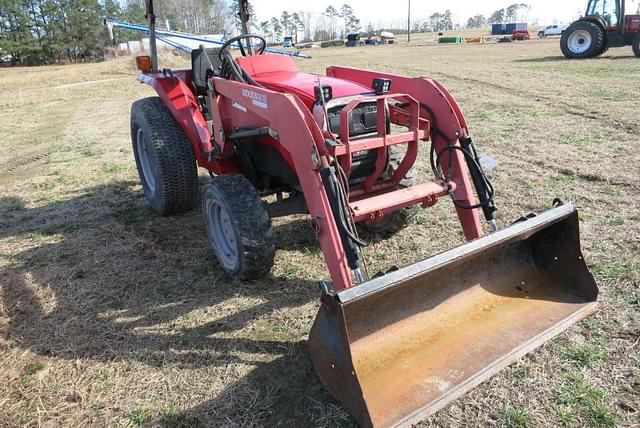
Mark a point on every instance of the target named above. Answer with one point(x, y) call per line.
point(143, 155)
point(221, 234)
point(580, 41)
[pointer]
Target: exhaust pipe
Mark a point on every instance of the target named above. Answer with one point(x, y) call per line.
point(396, 349)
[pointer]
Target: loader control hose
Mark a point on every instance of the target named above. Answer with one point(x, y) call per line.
point(350, 242)
point(484, 188)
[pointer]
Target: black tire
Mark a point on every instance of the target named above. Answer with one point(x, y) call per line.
point(238, 227)
point(164, 157)
point(393, 223)
point(635, 44)
point(575, 44)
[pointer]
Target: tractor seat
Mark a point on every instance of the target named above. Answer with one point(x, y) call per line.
point(201, 67)
point(269, 63)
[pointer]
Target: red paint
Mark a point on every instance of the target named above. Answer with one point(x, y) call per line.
point(280, 73)
point(451, 126)
point(421, 194)
point(299, 135)
point(178, 97)
point(284, 104)
point(521, 35)
point(632, 24)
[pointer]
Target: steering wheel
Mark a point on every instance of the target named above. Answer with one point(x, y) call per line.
point(247, 37)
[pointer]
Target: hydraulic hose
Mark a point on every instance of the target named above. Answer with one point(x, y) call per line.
point(350, 242)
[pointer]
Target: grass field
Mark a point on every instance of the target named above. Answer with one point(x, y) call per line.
point(112, 316)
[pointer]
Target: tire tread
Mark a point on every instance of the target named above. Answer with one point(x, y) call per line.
point(175, 155)
point(252, 223)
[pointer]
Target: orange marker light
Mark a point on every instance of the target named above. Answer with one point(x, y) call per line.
point(144, 63)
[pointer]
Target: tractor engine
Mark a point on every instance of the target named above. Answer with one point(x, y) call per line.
point(270, 172)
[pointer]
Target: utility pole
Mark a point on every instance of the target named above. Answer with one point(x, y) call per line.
point(151, 22)
point(243, 14)
point(409, 21)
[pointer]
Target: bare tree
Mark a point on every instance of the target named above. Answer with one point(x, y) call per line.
point(331, 14)
point(277, 30)
point(297, 24)
point(307, 19)
point(351, 23)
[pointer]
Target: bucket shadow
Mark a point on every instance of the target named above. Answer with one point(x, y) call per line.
point(282, 393)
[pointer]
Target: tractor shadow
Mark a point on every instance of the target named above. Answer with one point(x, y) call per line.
point(557, 58)
point(560, 58)
point(98, 276)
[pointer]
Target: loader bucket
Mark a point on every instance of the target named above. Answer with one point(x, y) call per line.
point(398, 348)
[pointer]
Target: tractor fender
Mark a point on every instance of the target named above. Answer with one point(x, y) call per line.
point(178, 98)
point(599, 20)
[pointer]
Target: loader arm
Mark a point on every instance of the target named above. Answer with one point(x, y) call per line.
point(448, 126)
point(299, 134)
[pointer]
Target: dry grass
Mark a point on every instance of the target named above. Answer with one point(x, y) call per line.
point(113, 316)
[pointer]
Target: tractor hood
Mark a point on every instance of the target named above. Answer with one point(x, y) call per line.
point(280, 73)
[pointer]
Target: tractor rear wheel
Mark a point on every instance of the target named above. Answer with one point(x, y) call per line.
point(396, 221)
point(164, 157)
point(583, 39)
point(636, 45)
point(238, 227)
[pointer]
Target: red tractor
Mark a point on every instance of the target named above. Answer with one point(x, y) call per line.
point(605, 25)
point(391, 347)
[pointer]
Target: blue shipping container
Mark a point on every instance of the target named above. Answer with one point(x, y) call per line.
point(500, 29)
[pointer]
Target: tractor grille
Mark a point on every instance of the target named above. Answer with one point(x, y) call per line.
point(362, 120)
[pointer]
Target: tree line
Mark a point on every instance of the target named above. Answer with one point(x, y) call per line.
point(57, 31)
point(443, 21)
point(331, 24)
point(517, 12)
point(45, 31)
point(288, 25)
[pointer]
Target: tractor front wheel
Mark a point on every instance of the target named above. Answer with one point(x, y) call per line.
point(164, 157)
point(583, 39)
point(238, 227)
point(636, 45)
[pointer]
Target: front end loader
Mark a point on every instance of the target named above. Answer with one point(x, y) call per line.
point(342, 147)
